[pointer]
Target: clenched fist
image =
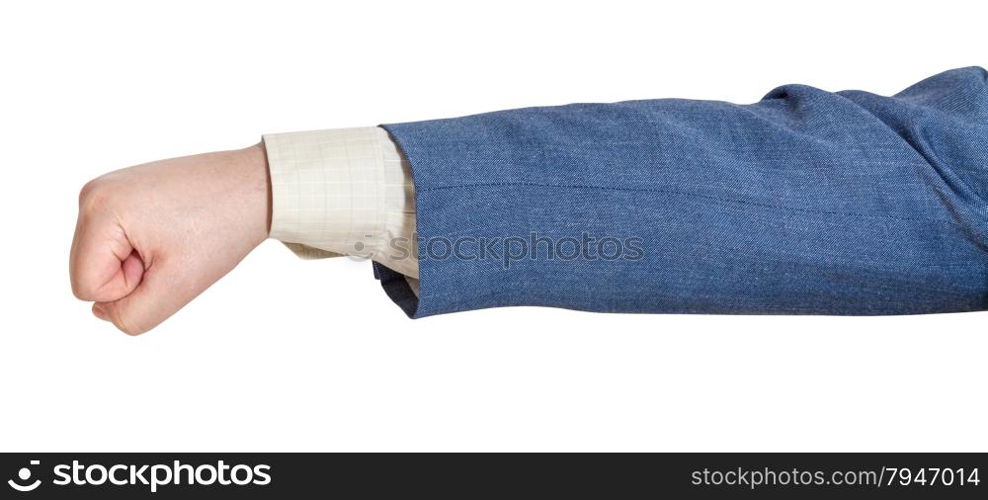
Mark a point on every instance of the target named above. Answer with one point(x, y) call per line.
point(151, 238)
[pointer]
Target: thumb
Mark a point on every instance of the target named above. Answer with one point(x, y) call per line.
point(159, 295)
point(104, 266)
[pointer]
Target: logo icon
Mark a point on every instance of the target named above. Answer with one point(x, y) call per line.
point(25, 475)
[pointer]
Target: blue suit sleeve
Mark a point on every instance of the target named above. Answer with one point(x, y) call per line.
point(806, 202)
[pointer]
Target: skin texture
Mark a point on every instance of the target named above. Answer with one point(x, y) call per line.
point(151, 238)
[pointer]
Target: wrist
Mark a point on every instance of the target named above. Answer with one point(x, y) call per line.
point(252, 163)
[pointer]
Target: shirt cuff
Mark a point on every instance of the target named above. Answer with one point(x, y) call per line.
point(343, 192)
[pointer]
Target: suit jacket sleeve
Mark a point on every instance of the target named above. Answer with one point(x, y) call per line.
point(808, 202)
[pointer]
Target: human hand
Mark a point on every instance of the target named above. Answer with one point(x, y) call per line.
point(150, 238)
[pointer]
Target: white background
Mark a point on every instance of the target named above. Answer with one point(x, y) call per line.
point(285, 354)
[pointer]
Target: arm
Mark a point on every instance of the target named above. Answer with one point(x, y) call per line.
point(805, 202)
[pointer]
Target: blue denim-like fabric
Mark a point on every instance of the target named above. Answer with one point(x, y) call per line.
point(807, 202)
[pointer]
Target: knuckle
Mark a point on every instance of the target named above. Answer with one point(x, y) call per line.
point(81, 290)
point(89, 189)
point(93, 195)
point(85, 286)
